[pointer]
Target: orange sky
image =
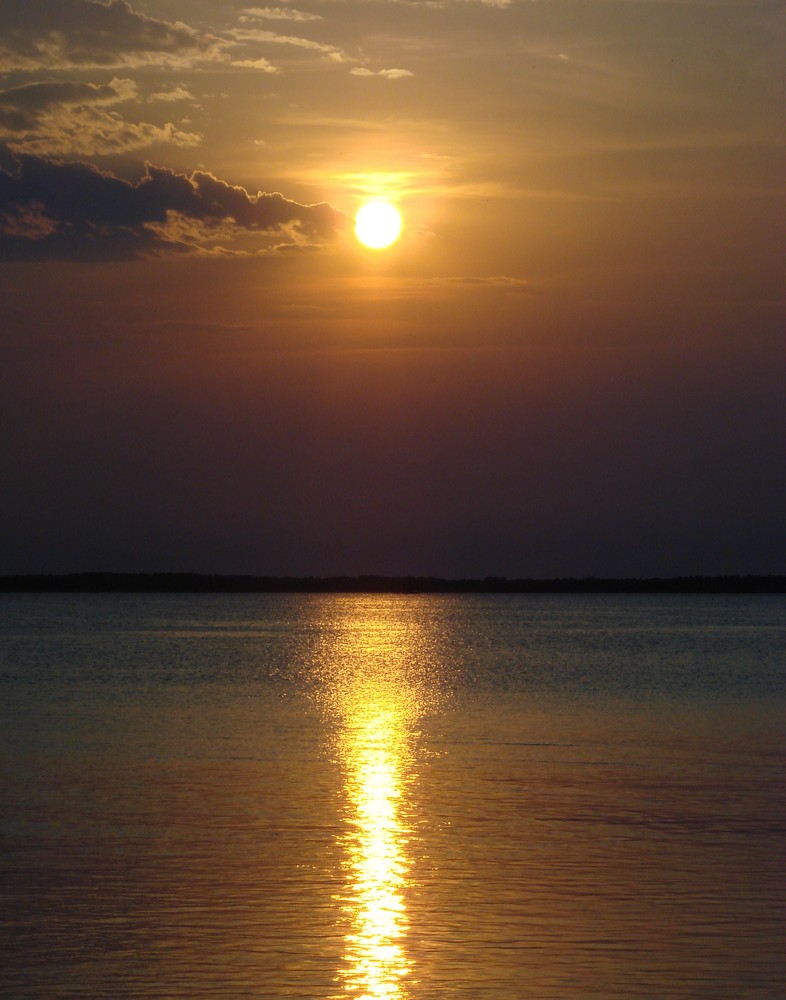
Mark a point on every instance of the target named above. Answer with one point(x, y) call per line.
point(571, 362)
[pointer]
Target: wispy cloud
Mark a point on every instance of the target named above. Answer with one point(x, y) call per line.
point(251, 14)
point(263, 65)
point(439, 4)
point(179, 93)
point(494, 281)
point(388, 74)
point(259, 35)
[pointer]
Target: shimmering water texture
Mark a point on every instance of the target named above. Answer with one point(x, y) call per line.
point(358, 798)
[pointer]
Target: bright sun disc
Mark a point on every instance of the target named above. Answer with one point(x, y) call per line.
point(377, 225)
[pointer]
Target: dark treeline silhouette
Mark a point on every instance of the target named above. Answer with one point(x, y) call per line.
point(195, 583)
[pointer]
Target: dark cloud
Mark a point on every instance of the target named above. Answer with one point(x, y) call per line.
point(21, 107)
point(53, 210)
point(70, 118)
point(37, 34)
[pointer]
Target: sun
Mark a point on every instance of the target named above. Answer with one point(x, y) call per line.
point(377, 224)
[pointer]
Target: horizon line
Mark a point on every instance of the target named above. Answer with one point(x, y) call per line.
point(194, 582)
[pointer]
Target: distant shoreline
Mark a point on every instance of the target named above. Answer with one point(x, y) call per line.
point(202, 583)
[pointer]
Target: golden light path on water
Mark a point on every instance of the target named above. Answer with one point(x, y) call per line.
point(376, 846)
point(376, 691)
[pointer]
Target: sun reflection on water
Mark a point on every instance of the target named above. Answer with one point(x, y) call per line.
point(375, 691)
point(375, 844)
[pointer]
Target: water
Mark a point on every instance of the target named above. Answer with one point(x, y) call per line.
point(488, 797)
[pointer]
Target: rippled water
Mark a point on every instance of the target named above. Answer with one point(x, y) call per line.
point(486, 797)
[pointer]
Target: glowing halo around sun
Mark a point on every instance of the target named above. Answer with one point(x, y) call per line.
point(377, 224)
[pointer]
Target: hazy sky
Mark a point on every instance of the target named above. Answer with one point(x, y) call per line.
point(571, 363)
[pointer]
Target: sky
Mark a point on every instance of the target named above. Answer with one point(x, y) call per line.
point(571, 363)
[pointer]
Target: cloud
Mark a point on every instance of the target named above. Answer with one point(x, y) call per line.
point(395, 74)
point(51, 210)
point(38, 35)
point(21, 107)
point(256, 35)
point(260, 64)
point(95, 132)
point(251, 14)
point(389, 74)
point(499, 4)
point(495, 281)
point(63, 34)
point(291, 249)
point(51, 119)
point(179, 93)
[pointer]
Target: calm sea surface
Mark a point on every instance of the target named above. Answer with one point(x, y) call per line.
point(491, 797)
